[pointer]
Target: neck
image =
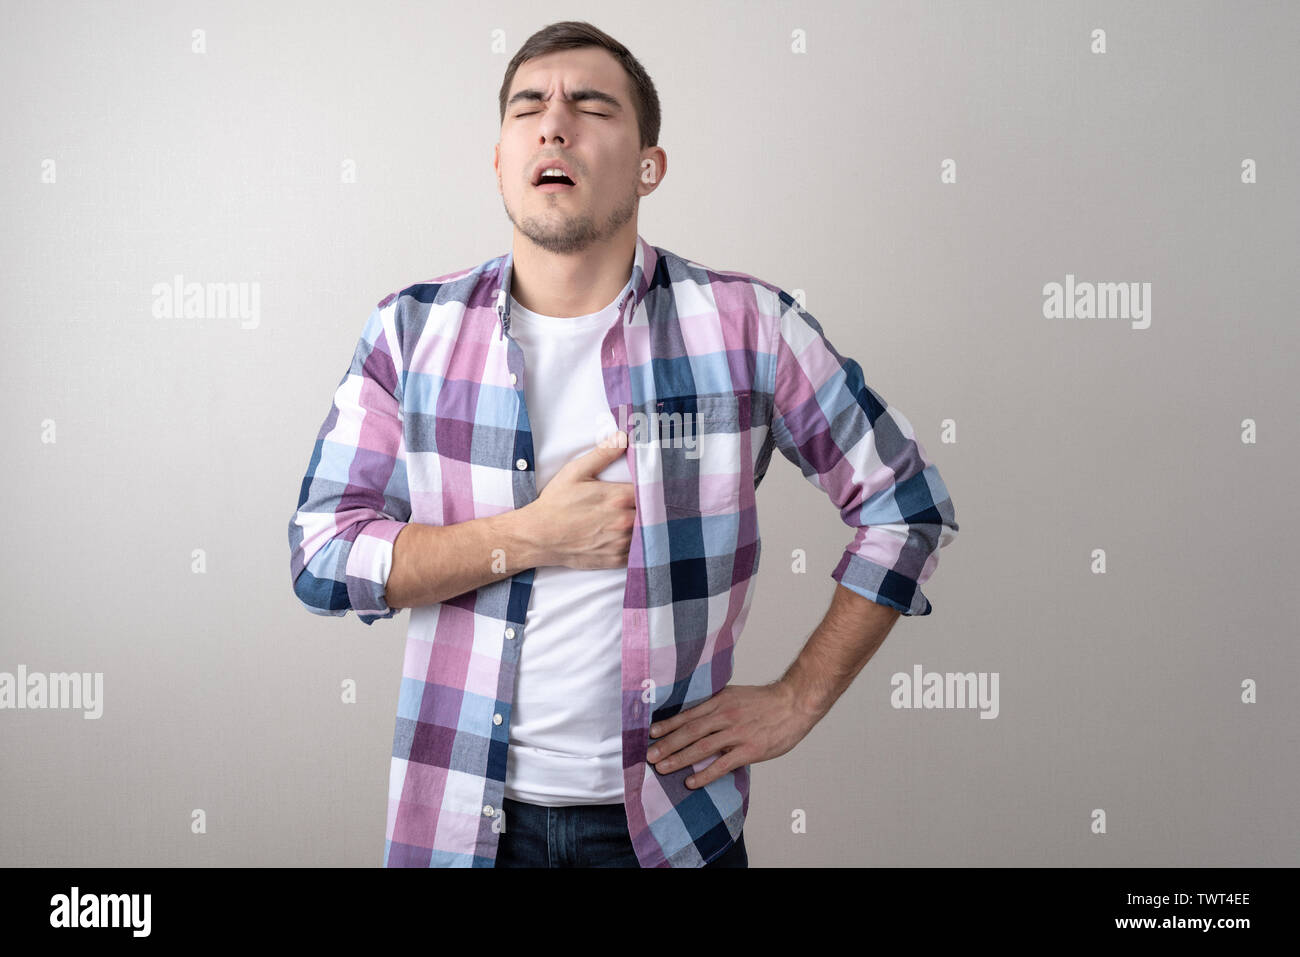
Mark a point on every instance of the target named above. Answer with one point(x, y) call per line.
point(573, 284)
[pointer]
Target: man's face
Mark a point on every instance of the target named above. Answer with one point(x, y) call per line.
point(595, 136)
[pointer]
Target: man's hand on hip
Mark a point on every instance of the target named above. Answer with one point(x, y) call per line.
point(746, 723)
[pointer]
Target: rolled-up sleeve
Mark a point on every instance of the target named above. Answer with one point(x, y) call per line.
point(850, 443)
point(354, 497)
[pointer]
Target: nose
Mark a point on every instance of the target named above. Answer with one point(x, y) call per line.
point(554, 121)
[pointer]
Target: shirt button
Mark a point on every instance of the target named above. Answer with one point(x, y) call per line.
point(496, 719)
point(521, 464)
point(513, 378)
point(487, 810)
point(510, 632)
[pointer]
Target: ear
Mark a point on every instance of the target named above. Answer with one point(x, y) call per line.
point(653, 167)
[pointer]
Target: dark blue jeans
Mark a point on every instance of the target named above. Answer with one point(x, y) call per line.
point(579, 835)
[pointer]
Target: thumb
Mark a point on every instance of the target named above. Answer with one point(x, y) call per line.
point(607, 450)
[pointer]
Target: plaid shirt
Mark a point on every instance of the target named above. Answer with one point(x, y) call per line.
point(709, 371)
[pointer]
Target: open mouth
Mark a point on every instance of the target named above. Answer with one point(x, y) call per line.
point(553, 180)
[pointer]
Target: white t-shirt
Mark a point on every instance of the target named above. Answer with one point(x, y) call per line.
point(566, 732)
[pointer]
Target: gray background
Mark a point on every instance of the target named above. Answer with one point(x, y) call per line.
point(815, 171)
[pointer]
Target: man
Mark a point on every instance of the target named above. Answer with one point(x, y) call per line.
point(551, 459)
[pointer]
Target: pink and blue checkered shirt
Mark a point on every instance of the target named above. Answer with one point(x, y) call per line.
point(428, 425)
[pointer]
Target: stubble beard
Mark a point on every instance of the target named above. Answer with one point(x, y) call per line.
point(566, 234)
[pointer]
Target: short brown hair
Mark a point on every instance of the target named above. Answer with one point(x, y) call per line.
point(569, 34)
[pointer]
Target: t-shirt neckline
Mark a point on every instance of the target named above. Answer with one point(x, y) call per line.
point(564, 322)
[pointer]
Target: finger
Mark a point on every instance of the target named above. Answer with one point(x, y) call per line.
point(677, 744)
point(606, 451)
point(709, 744)
point(665, 725)
point(728, 760)
point(615, 440)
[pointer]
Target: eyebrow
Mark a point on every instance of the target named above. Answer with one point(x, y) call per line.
point(574, 97)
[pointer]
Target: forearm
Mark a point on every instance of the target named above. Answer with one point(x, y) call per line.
point(853, 628)
point(432, 563)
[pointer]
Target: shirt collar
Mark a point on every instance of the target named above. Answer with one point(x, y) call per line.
point(643, 269)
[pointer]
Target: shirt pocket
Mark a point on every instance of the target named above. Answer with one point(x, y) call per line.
point(700, 454)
